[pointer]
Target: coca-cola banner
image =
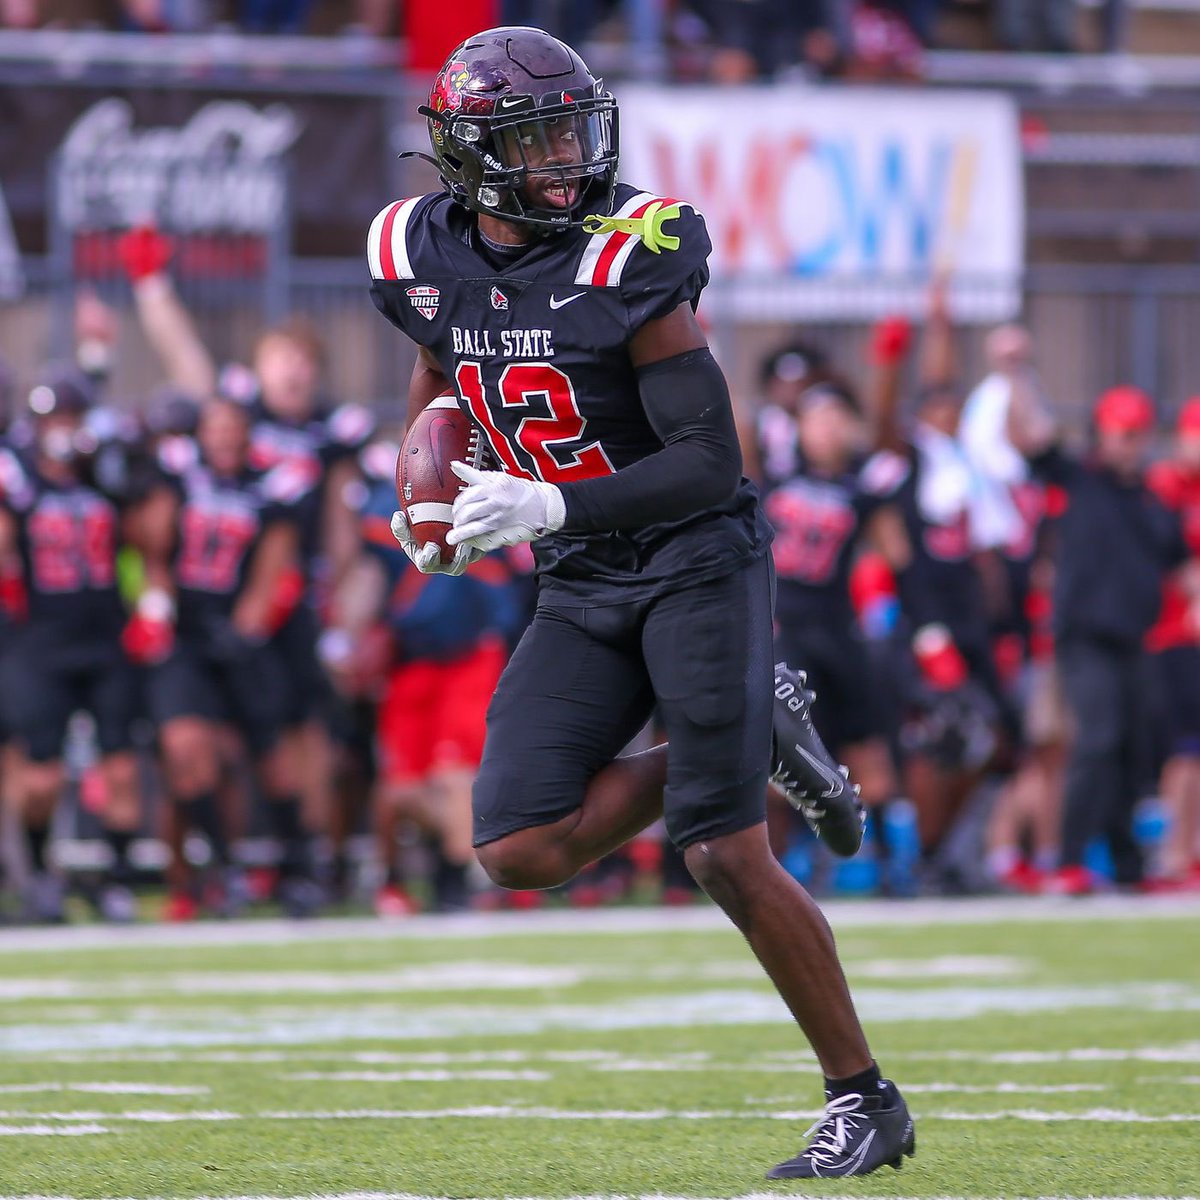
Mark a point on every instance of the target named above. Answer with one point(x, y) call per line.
point(198, 162)
point(221, 170)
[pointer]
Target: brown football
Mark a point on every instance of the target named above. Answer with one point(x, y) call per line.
point(425, 484)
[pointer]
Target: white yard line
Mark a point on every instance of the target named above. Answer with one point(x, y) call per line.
point(618, 1196)
point(107, 1089)
point(426, 1076)
point(1118, 1116)
point(378, 1057)
point(1183, 1052)
point(429, 977)
point(572, 922)
point(944, 966)
point(772, 1062)
point(51, 1130)
point(157, 1027)
point(1007, 1087)
point(503, 1112)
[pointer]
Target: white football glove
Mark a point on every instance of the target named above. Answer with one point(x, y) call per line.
point(428, 558)
point(502, 510)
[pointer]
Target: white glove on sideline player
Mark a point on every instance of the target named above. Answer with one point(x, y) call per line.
point(428, 558)
point(501, 510)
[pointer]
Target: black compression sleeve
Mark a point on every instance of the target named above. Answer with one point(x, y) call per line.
point(687, 403)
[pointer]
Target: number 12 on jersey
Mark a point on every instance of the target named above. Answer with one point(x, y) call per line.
point(549, 447)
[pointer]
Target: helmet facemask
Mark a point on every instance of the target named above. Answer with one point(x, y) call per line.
point(543, 162)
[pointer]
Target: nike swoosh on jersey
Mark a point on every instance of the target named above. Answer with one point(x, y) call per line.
point(554, 303)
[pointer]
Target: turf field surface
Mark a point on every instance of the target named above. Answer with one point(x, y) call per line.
point(1048, 1050)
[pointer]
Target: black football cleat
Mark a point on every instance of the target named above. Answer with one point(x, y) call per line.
point(855, 1136)
point(808, 774)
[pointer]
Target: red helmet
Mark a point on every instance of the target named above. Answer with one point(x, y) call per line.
point(514, 104)
point(1124, 409)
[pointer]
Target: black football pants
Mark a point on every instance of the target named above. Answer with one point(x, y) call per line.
point(1103, 686)
point(584, 680)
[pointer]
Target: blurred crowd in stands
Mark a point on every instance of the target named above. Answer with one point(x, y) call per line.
point(210, 642)
point(729, 41)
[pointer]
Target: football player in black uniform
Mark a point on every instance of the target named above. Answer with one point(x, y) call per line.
point(293, 426)
point(560, 306)
point(290, 425)
point(218, 539)
point(945, 585)
point(60, 533)
point(833, 501)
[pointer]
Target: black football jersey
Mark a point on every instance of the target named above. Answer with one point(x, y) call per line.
point(309, 448)
point(221, 521)
point(818, 522)
point(67, 539)
point(941, 582)
point(538, 352)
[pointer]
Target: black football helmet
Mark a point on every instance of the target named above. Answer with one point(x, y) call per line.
point(61, 389)
point(522, 130)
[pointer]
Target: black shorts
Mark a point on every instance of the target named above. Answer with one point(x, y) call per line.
point(309, 694)
point(43, 687)
point(583, 681)
point(1178, 672)
point(846, 711)
point(247, 691)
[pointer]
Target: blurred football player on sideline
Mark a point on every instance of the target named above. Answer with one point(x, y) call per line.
point(220, 541)
point(561, 306)
point(59, 534)
point(291, 424)
point(1175, 644)
point(446, 643)
point(1117, 545)
point(836, 499)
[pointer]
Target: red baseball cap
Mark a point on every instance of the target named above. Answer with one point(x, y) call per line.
point(1124, 409)
point(1189, 418)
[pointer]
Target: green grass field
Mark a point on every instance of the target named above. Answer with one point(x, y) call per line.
point(1045, 1052)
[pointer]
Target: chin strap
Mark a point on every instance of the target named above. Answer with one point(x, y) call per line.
point(418, 154)
point(648, 226)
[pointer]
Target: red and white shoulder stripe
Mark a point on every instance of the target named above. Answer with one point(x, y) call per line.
point(606, 254)
point(387, 240)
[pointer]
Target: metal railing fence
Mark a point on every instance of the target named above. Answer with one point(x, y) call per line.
point(1094, 326)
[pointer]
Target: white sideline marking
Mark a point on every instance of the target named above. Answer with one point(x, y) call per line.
point(151, 1027)
point(945, 966)
point(1006, 1088)
point(474, 976)
point(39, 989)
point(107, 1089)
point(842, 915)
point(532, 1112)
point(1121, 1116)
point(379, 1057)
point(771, 1062)
point(50, 1130)
point(627, 1196)
point(433, 977)
point(1184, 1052)
point(427, 1076)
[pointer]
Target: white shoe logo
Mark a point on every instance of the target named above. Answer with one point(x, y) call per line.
point(567, 300)
point(833, 778)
